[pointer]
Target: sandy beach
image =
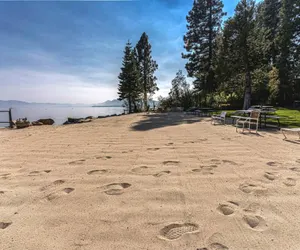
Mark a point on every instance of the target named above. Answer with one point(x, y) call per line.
point(160, 181)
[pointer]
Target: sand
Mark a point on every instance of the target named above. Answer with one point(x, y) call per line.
point(162, 181)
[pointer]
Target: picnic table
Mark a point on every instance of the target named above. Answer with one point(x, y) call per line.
point(267, 112)
point(204, 111)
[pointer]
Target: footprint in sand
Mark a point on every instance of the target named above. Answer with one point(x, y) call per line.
point(189, 142)
point(125, 152)
point(58, 182)
point(298, 161)
point(4, 225)
point(290, 182)
point(231, 207)
point(226, 139)
point(143, 170)
point(252, 208)
point(59, 194)
point(116, 188)
point(55, 183)
point(162, 173)
point(255, 222)
point(34, 172)
point(5, 175)
point(273, 163)
point(103, 157)
point(249, 215)
point(214, 243)
point(295, 169)
point(206, 170)
point(252, 188)
point(153, 149)
point(228, 209)
point(230, 162)
point(271, 175)
point(175, 231)
point(78, 162)
point(171, 163)
point(97, 171)
point(170, 144)
point(68, 190)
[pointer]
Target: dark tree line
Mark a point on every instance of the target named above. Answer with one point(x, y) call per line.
point(137, 81)
point(250, 58)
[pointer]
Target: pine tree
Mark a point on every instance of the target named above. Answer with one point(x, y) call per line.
point(129, 88)
point(243, 38)
point(204, 22)
point(179, 87)
point(286, 50)
point(271, 19)
point(147, 67)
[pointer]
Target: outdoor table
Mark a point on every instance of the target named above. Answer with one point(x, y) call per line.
point(263, 113)
point(206, 110)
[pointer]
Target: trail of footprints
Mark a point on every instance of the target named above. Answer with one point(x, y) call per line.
point(274, 175)
point(250, 216)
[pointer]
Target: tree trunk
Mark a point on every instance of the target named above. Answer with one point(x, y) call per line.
point(248, 90)
point(145, 101)
point(129, 105)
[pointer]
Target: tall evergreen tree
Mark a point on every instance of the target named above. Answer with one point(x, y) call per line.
point(271, 19)
point(179, 87)
point(243, 36)
point(147, 67)
point(286, 50)
point(204, 22)
point(129, 88)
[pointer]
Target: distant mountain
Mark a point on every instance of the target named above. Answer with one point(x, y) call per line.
point(117, 103)
point(112, 103)
point(13, 103)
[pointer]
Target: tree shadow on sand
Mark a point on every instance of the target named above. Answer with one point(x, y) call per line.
point(155, 121)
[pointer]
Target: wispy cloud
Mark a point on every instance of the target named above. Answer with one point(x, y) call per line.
point(71, 51)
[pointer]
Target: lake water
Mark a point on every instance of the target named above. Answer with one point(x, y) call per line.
point(58, 113)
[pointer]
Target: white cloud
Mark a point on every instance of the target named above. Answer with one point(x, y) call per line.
point(37, 86)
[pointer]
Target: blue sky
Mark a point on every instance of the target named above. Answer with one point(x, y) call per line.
point(71, 52)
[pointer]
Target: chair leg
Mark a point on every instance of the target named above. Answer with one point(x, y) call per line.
point(285, 135)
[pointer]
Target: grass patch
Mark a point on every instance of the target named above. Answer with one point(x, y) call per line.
point(289, 118)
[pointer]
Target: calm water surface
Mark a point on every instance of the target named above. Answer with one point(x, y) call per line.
point(58, 113)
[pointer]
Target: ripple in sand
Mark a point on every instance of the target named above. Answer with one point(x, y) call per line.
point(78, 162)
point(162, 173)
point(97, 171)
point(171, 163)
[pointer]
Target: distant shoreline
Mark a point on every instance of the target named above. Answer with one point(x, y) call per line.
point(94, 106)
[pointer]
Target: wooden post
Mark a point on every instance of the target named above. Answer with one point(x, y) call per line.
point(10, 119)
